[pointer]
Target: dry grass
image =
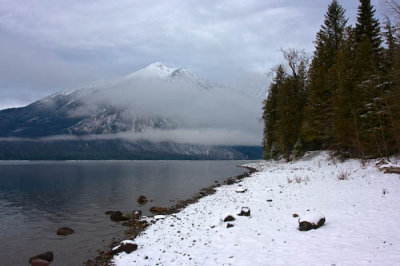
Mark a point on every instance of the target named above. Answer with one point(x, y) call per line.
point(298, 180)
point(344, 174)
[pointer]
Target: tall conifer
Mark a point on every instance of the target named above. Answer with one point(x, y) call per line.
point(317, 128)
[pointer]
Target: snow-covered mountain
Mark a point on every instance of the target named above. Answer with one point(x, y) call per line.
point(161, 71)
point(155, 98)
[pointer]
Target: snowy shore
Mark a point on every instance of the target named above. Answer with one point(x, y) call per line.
point(362, 219)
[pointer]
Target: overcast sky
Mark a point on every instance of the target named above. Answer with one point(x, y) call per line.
point(52, 45)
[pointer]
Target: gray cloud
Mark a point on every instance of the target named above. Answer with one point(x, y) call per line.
point(50, 45)
point(214, 115)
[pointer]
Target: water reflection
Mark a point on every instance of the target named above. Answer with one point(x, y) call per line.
point(36, 198)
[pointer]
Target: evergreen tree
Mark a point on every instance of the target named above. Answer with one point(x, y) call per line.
point(348, 100)
point(270, 113)
point(370, 83)
point(346, 121)
point(368, 27)
point(391, 96)
point(283, 108)
point(317, 128)
point(291, 101)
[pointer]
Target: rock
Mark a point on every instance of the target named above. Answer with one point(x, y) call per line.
point(230, 181)
point(208, 190)
point(244, 212)
point(229, 225)
point(311, 221)
point(269, 200)
point(124, 247)
point(229, 218)
point(116, 216)
point(241, 190)
point(295, 215)
point(142, 199)
point(136, 214)
point(139, 224)
point(39, 262)
point(127, 215)
point(158, 210)
point(47, 256)
point(64, 231)
point(305, 226)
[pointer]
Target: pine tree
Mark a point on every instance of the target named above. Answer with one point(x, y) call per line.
point(291, 101)
point(317, 128)
point(283, 109)
point(368, 27)
point(346, 121)
point(391, 96)
point(270, 113)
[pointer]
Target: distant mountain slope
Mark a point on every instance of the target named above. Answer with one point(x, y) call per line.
point(155, 98)
point(122, 150)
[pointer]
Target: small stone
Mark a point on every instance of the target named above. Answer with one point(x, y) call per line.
point(64, 231)
point(269, 200)
point(136, 214)
point(158, 210)
point(305, 226)
point(142, 199)
point(229, 218)
point(47, 256)
point(116, 216)
point(311, 222)
point(39, 262)
point(124, 247)
point(229, 225)
point(244, 212)
point(295, 215)
point(126, 224)
point(230, 181)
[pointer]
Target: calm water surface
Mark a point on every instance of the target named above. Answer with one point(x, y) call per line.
point(36, 198)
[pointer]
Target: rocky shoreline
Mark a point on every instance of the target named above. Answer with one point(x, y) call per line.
point(137, 226)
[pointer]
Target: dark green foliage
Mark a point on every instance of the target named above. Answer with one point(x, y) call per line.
point(368, 28)
point(317, 127)
point(298, 149)
point(283, 109)
point(270, 111)
point(350, 100)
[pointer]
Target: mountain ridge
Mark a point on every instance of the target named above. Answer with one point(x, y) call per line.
point(155, 98)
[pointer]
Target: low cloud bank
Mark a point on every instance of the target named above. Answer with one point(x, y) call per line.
point(182, 136)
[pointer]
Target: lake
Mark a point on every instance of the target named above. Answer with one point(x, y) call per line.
point(36, 198)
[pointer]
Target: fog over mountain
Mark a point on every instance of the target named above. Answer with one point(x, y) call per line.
point(157, 103)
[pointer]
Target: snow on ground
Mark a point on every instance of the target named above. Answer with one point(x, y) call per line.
point(362, 220)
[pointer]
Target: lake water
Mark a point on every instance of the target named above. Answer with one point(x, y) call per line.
point(36, 198)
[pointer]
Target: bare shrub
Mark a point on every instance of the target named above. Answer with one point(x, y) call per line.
point(298, 179)
point(289, 180)
point(344, 174)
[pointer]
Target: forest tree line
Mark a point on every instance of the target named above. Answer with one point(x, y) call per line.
point(346, 97)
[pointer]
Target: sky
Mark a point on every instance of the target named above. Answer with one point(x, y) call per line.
point(52, 45)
